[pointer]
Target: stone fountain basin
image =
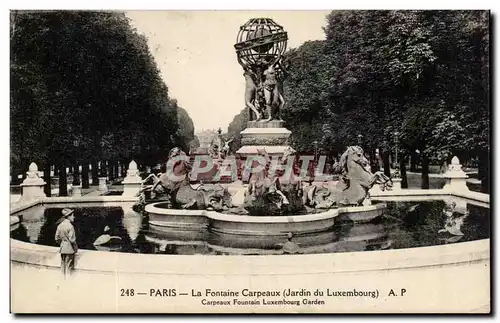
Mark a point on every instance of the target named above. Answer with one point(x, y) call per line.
point(203, 220)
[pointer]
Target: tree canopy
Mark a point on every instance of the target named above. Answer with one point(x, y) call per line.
point(421, 74)
point(84, 88)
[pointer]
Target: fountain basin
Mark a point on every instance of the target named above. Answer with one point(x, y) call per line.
point(342, 255)
point(200, 220)
point(439, 266)
point(184, 220)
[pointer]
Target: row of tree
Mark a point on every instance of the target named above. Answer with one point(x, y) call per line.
point(85, 89)
point(415, 80)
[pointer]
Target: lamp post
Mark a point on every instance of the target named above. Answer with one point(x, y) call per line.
point(220, 143)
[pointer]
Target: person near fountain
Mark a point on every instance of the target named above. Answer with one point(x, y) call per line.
point(66, 237)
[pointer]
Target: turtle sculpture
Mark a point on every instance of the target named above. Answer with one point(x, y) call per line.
point(106, 238)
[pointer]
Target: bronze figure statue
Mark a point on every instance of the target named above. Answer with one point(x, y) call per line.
point(260, 48)
point(251, 97)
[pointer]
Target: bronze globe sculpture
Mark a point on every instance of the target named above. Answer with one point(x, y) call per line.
point(260, 46)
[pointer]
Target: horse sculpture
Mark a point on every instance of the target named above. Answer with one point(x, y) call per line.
point(289, 181)
point(187, 197)
point(263, 195)
point(164, 183)
point(175, 185)
point(354, 185)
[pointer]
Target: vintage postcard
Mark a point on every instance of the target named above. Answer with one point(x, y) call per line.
point(326, 161)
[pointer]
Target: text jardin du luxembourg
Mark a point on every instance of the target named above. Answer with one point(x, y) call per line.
point(287, 296)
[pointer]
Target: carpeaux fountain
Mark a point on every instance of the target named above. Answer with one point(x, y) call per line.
point(278, 200)
point(210, 221)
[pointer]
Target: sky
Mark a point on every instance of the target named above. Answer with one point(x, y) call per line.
point(194, 51)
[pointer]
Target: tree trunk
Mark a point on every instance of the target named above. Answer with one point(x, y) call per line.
point(95, 173)
point(63, 181)
point(413, 162)
point(103, 172)
point(76, 175)
point(85, 175)
point(425, 172)
point(124, 169)
point(402, 168)
point(111, 170)
point(46, 177)
point(13, 174)
point(24, 169)
point(387, 164)
point(374, 163)
point(483, 171)
point(56, 170)
point(117, 173)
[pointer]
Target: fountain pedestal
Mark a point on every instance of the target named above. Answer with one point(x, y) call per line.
point(102, 184)
point(33, 185)
point(396, 184)
point(455, 176)
point(271, 136)
point(76, 190)
point(133, 181)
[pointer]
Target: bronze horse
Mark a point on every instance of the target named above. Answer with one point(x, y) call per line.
point(263, 195)
point(354, 185)
point(175, 184)
point(357, 180)
point(289, 181)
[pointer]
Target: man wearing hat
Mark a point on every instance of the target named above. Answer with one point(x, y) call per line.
point(66, 237)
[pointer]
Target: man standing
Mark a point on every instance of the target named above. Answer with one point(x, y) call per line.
point(66, 237)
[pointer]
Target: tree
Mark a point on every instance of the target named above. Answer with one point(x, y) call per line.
point(423, 74)
point(85, 88)
point(236, 126)
point(186, 128)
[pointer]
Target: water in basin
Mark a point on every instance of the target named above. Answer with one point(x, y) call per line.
point(403, 225)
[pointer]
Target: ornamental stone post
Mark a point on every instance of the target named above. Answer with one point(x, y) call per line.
point(396, 184)
point(33, 185)
point(133, 181)
point(455, 177)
